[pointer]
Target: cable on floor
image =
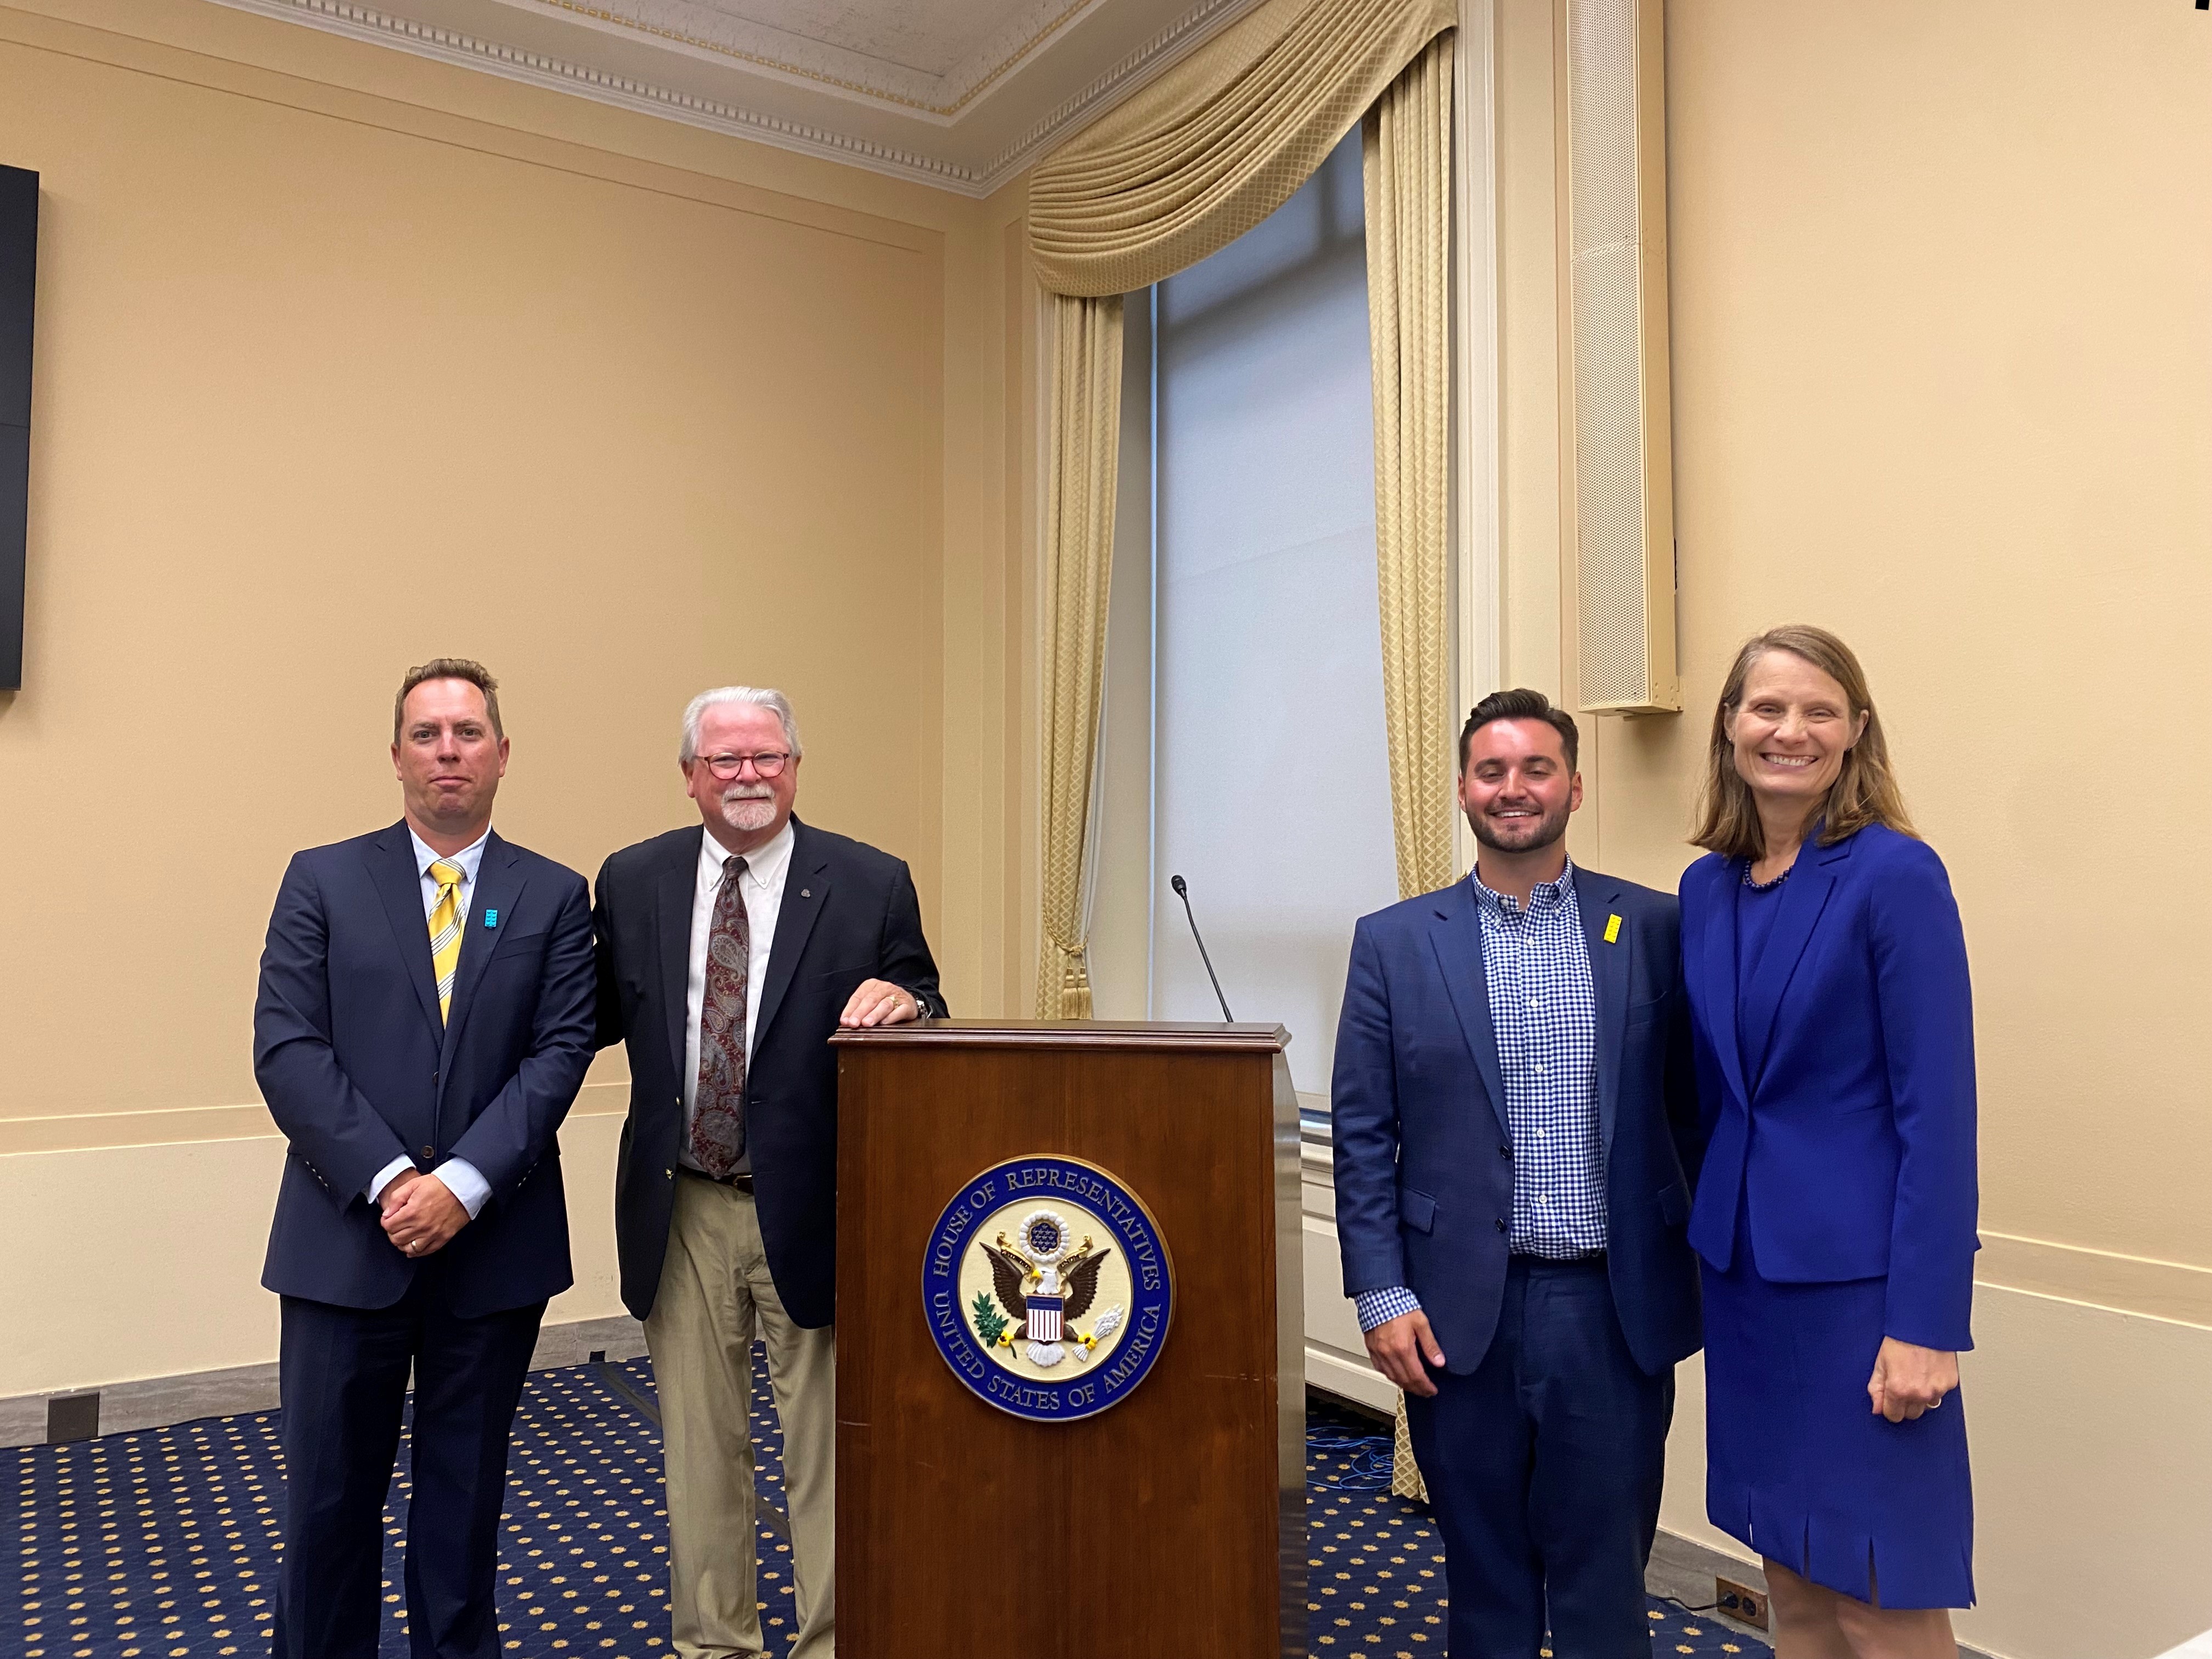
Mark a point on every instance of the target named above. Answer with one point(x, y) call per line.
point(1368, 1459)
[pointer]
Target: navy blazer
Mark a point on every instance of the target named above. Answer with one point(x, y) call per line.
point(849, 914)
point(1853, 1132)
point(357, 1069)
point(1424, 1149)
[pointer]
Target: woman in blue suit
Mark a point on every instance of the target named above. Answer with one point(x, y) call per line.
point(1833, 1032)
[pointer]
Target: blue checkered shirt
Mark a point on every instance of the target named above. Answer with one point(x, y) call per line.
point(1535, 961)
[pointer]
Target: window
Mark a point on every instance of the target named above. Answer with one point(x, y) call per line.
point(1243, 740)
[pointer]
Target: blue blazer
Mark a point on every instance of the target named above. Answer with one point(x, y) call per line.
point(1852, 1131)
point(357, 1071)
point(1424, 1151)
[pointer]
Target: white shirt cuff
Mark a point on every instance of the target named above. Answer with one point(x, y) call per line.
point(463, 1182)
point(385, 1176)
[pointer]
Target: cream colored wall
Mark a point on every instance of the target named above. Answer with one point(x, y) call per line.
point(138, 1262)
point(1944, 383)
point(315, 314)
point(346, 359)
point(1942, 380)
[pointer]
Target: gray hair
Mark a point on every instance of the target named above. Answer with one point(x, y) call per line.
point(766, 696)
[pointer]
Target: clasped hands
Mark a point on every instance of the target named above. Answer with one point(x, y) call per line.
point(420, 1214)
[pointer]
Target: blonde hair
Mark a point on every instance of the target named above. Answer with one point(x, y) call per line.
point(448, 668)
point(1865, 790)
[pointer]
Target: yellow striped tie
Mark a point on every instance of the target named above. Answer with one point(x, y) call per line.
point(446, 931)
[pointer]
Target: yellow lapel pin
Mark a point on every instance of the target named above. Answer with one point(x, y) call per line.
point(1612, 930)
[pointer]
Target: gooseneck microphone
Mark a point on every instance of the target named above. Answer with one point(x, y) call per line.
point(1183, 893)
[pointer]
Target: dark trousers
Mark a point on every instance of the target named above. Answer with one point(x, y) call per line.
point(1544, 1467)
point(342, 1377)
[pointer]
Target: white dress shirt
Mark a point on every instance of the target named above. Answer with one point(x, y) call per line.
point(763, 887)
point(460, 1176)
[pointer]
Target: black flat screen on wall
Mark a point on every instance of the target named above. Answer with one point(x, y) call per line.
point(19, 266)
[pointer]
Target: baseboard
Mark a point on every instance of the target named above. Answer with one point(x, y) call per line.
point(1352, 1382)
point(156, 1402)
point(619, 1337)
point(1683, 1571)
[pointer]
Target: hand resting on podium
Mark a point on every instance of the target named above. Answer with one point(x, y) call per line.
point(879, 1002)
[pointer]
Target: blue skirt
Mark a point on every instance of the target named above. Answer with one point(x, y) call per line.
point(1798, 1466)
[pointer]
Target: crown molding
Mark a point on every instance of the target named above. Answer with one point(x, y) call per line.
point(1155, 58)
point(1131, 72)
point(930, 94)
point(560, 74)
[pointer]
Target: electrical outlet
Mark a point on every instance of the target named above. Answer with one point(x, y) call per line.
point(72, 1417)
point(1746, 1607)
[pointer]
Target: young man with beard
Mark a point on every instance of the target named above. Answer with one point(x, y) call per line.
point(1516, 1140)
point(728, 953)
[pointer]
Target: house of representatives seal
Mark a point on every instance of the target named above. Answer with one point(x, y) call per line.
point(1047, 1288)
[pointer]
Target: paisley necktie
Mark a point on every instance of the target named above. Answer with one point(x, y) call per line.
point(717, 1119)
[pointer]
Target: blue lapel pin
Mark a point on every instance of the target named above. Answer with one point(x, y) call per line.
point(491, 918)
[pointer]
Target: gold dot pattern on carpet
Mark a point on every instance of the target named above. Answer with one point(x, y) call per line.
point(1375, 1563)
point(164, 1544)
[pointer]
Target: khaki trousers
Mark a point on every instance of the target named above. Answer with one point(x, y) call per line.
point(715, 1295)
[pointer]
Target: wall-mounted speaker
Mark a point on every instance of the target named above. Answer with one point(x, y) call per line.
point(1623, 496)
point(19, 269)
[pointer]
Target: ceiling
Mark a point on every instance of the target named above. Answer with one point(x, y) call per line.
point(958, 94)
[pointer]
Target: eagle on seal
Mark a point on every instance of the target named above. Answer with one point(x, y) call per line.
point(1013, 1272)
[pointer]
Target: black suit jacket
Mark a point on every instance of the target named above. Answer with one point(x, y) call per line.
point(849, 914)
point(357, 1069)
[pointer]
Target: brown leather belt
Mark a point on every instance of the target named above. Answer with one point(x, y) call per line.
point(744, 1184)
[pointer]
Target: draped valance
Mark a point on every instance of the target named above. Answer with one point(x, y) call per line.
point(1199, 156)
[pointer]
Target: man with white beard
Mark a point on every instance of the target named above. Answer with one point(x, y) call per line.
point(728, 953)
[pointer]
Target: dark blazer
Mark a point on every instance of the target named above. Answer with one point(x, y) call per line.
point(849, 914)
point(1424, 1151)
point(358, 1070)
point(1854, 1133)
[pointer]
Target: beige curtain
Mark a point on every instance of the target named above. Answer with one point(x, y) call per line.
point(1178, 172)
point(1218, 143)
point(1086, 429)
point(1405, 159)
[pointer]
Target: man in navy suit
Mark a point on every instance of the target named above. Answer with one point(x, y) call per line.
point(729, 951)
point(1515, 1133)
point(425, 1019)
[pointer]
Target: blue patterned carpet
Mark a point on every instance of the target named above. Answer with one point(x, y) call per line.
point(160, 1545)
point(1376, 1567)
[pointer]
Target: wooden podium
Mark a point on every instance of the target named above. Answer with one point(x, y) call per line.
point(1172, 1518)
